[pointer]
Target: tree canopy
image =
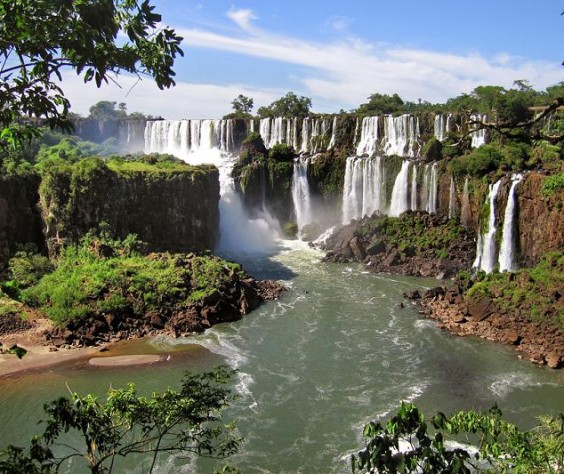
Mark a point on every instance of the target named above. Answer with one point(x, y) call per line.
point(242, 107)
point(39, 39)
point(289, 105)
point(381, 104)
point(172, 422)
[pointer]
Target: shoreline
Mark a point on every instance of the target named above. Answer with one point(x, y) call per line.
point(40, 354)
point(41, 357)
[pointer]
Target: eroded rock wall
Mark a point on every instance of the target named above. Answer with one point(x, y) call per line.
point(20, 220)
point(170, 210)
point(541, 219)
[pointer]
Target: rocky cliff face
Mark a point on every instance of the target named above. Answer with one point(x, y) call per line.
point(20, 220)
point(170, 210)
point(541, 219)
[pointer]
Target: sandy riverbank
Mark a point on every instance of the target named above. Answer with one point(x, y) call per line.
point(40, 355)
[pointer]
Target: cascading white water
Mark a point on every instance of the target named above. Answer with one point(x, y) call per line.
point(400, 190)
point(465, 207)
point(429, 191)
point(333, 140)
point(414, 170)
point(442, 126)
point(507, 260)
point(479, 137)
point(488, 258)
point(186, 137)
point(479, 250)
point(350, 201)
point(368, 136)
point(400, 137)
point(452, 199)
point(305, 135)
point(364, 188)
point(301, 194)
point(209, 142)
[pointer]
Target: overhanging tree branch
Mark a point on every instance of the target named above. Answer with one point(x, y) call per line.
point(529, 128)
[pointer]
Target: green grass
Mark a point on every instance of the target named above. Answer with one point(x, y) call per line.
point(411, 233)
point(85, 283)
point(537, 291)
point(553, 184)
point(130, 166)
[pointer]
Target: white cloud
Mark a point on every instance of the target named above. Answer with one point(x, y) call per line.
point(243, 18)
point(338, 74)
point(347, 71)
point(186, 100)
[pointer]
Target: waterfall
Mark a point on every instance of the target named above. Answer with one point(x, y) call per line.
point(184, 137)
point(364, 188)
point(507, 249)
point(414, 187)
point(489, 252)
point(465, 207)
point(478, 137)
point(333, 133)
point(400, 191)
point(305, 135)
point(209, 142)
point(442, 126)
point(279, 130)
point(368, 136)
point(479, 251)
point(452, 199)
point(400, 137)
point(430, 187)
point(301, 194)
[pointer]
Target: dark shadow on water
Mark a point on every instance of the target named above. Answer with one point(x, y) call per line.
point(260, 264)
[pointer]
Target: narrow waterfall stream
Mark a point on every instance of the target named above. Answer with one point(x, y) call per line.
point(400, 191)
point(486, 256)
point(301, 194)
point(507, 251)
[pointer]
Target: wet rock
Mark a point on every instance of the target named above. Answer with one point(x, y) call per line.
point(412, 295)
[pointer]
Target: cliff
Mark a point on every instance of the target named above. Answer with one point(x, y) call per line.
point(20, 219)
point(172, 207)
point(541, 219)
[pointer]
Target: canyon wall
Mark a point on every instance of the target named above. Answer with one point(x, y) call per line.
point(170, 209)
point(20, 220)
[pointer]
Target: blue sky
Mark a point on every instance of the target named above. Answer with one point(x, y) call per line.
point(338, 53)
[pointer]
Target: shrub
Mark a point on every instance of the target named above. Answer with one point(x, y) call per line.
point(27, 267)
point(103, 275)
point(552, 184)
point(433, 150)
point(478, 163)
point(281, 152)
point(499, 446)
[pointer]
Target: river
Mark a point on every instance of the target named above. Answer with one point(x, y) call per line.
point(335, 352)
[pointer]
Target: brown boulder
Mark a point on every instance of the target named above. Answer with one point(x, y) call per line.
point(480, 307)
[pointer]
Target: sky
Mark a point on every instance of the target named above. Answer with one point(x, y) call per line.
point(338, 53)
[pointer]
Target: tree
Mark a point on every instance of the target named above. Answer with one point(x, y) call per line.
point(289, 105)
point(171, 422)
point(38, 40)
point(242, 107)
point(381, 104)
point(242, 104)
point(104, 110)
point(494, 445)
